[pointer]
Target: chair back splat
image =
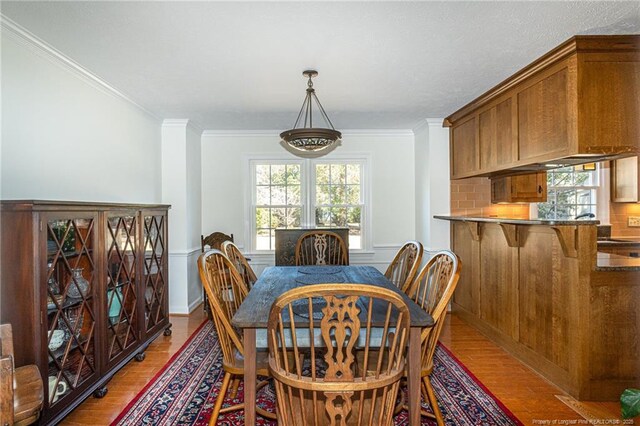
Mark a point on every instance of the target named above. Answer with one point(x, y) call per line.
point(337, 353)
point(321, 248)
point(405, 265)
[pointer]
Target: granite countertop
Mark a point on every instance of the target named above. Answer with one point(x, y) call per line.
point(616, 262)
point(513, 221)
point(619, 241)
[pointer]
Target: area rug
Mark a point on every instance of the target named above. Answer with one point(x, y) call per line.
point(184, 391)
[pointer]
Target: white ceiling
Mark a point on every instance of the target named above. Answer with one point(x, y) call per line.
point(383, 65)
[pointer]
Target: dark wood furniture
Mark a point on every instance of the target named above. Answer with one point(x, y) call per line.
point(529, 188)
point(321, 247)
point(286, 240)
point(85, 286)
point(625, 180)
point(22, 392)
point(432, 290)
point(362, 374)
point(578, 103)
point(538, 290)
point(253, 318)
point(405, 265)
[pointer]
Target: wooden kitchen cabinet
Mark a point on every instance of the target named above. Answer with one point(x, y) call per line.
point(577, 104)
point(625, 180)
point(529, 188)
point(85, 288)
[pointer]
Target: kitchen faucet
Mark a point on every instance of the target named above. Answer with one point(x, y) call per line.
point(589, 215)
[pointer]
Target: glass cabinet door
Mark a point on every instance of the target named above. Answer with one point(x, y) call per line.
point(121, 286)
point(155, 270)
point(70, 282)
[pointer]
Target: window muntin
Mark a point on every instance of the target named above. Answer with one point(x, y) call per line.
point(278, 201)
point(570, 192)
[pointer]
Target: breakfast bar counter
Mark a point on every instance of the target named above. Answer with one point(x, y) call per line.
point(541, 290)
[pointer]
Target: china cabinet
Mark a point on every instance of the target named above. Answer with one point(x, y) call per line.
point(85, 288)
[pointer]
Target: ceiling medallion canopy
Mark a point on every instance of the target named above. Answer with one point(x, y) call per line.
point(308, 138)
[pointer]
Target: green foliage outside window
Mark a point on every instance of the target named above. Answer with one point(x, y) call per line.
point(570, 193)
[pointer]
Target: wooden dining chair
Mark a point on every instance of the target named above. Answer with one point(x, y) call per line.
point(212, 241)
point(21, 388)
point(240, 262)
point(226, 291)
point(405, 265)
point(321, 248)
point(354, 360)
point(432, 291)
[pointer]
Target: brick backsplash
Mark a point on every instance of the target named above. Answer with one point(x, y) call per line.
point(472, 197)
point(619, 214)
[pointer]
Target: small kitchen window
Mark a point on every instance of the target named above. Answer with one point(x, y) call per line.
point(571, 192)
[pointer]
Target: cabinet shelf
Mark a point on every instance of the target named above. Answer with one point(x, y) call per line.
point(69, 254)
point(69, 302)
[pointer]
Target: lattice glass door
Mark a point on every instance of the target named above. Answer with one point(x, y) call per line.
point(154, 270)
point(70, 281)
point(122, 289)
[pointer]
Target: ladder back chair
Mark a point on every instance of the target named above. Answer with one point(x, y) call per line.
point(226, 291)
point(21, 389)
point(405, 265)
point(432, 291)
point(240, 262)
point(354, 359)
point(321, 248)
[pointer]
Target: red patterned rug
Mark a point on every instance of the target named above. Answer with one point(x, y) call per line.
point(184, 391)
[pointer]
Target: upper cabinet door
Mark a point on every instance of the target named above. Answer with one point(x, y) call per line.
point(496, 135)
point(464, 149)
point(543, 114)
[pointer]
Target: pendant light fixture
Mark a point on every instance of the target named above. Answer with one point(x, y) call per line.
point(307, 137)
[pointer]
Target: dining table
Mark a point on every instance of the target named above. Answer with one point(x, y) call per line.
point(253, 316)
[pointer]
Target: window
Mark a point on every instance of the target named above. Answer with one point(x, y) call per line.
point(301, 193)
point(570, 193)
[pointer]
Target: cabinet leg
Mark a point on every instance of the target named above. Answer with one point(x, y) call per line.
point(141, 356)
point(100, 392)
point(167, 331)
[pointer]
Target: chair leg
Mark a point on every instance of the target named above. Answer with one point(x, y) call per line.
point(220, 399)
point(433, 401)
point(234, 388)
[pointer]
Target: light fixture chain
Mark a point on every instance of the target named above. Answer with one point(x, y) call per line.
point(324, 114)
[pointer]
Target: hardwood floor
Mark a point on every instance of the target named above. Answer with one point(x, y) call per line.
point(529, 396)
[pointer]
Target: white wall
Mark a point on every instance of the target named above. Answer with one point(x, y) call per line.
point(66, 136)
point(432, 184)
point(224, 182)
point(181, 187)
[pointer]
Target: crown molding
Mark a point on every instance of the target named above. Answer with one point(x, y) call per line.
point(428, 122)
point(24, 37)
point(276, 133)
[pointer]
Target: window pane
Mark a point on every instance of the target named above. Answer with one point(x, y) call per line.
point(262, 174)
point(565, 196)
point(293, 174)
point(338, 173)
point(322, 194)
point(339, 217)
point(584, 196)
point(293, 217)
point(278, 195)
point(262, 195)
point(353, 174)
point(322, 173)
point(278, 218)
point(278, 174)
point(262, 218)
point(323, 216)
point(293, 195)
point(337, 194)
point(262, 239)
point(353, 194)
